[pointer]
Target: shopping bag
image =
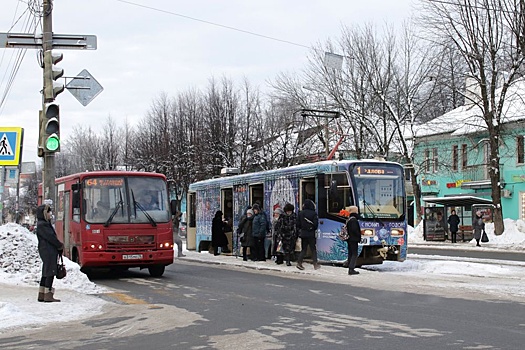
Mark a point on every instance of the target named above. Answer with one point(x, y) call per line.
point(484, 237)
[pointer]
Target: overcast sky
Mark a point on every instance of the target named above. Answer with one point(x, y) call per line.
point(144, 51)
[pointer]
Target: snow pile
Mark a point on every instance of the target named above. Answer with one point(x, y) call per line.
point(21, 264)
point(513, 237)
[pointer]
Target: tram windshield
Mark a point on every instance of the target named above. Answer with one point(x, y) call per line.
point(380, 191)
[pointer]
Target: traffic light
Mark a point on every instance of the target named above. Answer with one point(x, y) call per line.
point(52, 73)
point(49, 122)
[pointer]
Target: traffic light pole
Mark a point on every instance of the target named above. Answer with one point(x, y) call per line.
point(49, 157)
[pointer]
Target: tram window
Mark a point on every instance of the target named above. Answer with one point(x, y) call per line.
point(338, 193)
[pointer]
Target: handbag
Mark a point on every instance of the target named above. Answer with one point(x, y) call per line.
point(484, 237)
point(61, 268)
point(298, 246)
point(279, 248)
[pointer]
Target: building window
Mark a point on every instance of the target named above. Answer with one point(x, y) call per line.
point(520, 147)
point(426, 165)
point(435, 164)
point(464, 158)
point(455, 158)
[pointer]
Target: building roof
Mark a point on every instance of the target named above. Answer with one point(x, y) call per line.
point(468, 119)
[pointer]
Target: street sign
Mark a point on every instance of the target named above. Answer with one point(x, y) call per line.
point(10, 145)
point(60, 41)
point(84, 87)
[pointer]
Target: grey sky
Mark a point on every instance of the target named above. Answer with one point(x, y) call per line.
point(143, 52)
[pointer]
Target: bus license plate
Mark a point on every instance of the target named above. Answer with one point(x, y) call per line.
point(132, 256)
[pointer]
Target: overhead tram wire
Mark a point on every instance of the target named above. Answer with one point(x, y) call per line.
point(215, 24)
point(20, 53)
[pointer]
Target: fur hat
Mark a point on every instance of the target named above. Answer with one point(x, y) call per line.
point(353, 209)
point(249, 211)
point(256, 207)
point(278, 211)
point(288, 207)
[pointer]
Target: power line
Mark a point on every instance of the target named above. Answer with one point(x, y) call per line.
point(213, 23)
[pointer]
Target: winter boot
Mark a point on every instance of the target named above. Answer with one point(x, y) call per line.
point(41, 291)
point(317, 266)
point(48, 295)
point(180, 255)
point(300, 266)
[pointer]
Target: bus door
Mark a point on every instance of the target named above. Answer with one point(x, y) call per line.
point(67, 214)
point(191, 228)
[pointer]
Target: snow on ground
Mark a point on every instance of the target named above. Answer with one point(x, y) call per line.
point(20, 268)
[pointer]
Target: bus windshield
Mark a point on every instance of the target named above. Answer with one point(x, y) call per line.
point(117, 200)
point(380, 191)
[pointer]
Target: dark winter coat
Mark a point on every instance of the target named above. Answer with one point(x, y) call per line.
point(260, 225)
point(245, 228)
point(479, 226)
point(353, 228)
point(286, 232)
point(307, 220)
point(218, 237)
point(453, 221)
point(48, 243)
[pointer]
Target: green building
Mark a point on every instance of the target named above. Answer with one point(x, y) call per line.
point(452, 160)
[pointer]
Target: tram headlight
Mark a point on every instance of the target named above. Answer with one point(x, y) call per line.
point(397, 232)
point(367, 232)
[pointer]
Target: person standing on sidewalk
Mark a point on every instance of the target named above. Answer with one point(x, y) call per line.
point(259, 230)
point(176, 237)
point(307, 224)
point(479, 226)
point(49, 248)
point(354, 237)
point(453, 221)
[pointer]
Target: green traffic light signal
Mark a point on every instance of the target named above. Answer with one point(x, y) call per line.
point(52, 143)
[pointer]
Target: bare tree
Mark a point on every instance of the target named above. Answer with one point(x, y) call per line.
point(488, 36)
point(111, 142)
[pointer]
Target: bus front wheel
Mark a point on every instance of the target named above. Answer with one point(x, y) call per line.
point(157, 270)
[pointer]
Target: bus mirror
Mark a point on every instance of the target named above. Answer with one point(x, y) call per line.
point(76, 195)
point(173, 206)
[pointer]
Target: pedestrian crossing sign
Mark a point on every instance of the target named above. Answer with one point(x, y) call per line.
point(10, 145)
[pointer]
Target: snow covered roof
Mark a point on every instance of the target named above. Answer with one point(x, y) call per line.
point(468, 119)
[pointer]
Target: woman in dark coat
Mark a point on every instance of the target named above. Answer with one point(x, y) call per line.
point(286, 232)
point(479, 226)
point(354, 237)
point(453, 221)
point(218, 237)
point(49, 247)
point(245, 228)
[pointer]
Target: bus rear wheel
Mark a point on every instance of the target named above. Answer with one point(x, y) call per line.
point(157, 270)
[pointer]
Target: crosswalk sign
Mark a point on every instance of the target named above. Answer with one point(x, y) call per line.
point(10, 145)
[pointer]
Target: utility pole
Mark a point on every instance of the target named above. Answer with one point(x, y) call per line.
point(48, 175)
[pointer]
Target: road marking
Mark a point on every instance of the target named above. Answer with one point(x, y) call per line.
point(127, 299)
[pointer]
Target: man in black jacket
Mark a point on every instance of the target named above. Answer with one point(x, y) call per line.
point(354, 237)
point(307, 224)
point(49, 247)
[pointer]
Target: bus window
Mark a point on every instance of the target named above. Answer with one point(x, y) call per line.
point(148, 195)
point(338, 192)
point(101, 197)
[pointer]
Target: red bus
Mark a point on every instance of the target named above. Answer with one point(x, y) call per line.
point(115, 219)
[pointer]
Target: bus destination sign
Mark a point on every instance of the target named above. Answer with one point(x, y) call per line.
point(105, 182)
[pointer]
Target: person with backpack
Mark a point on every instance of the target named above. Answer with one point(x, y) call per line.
point(354, 237)
point(307, 224)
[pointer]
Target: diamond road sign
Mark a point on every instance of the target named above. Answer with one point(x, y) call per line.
point(84, 87)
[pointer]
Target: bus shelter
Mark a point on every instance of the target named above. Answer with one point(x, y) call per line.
point(435, 215)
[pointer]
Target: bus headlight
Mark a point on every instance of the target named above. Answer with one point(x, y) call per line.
point(397, 232)
point(165, 245)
